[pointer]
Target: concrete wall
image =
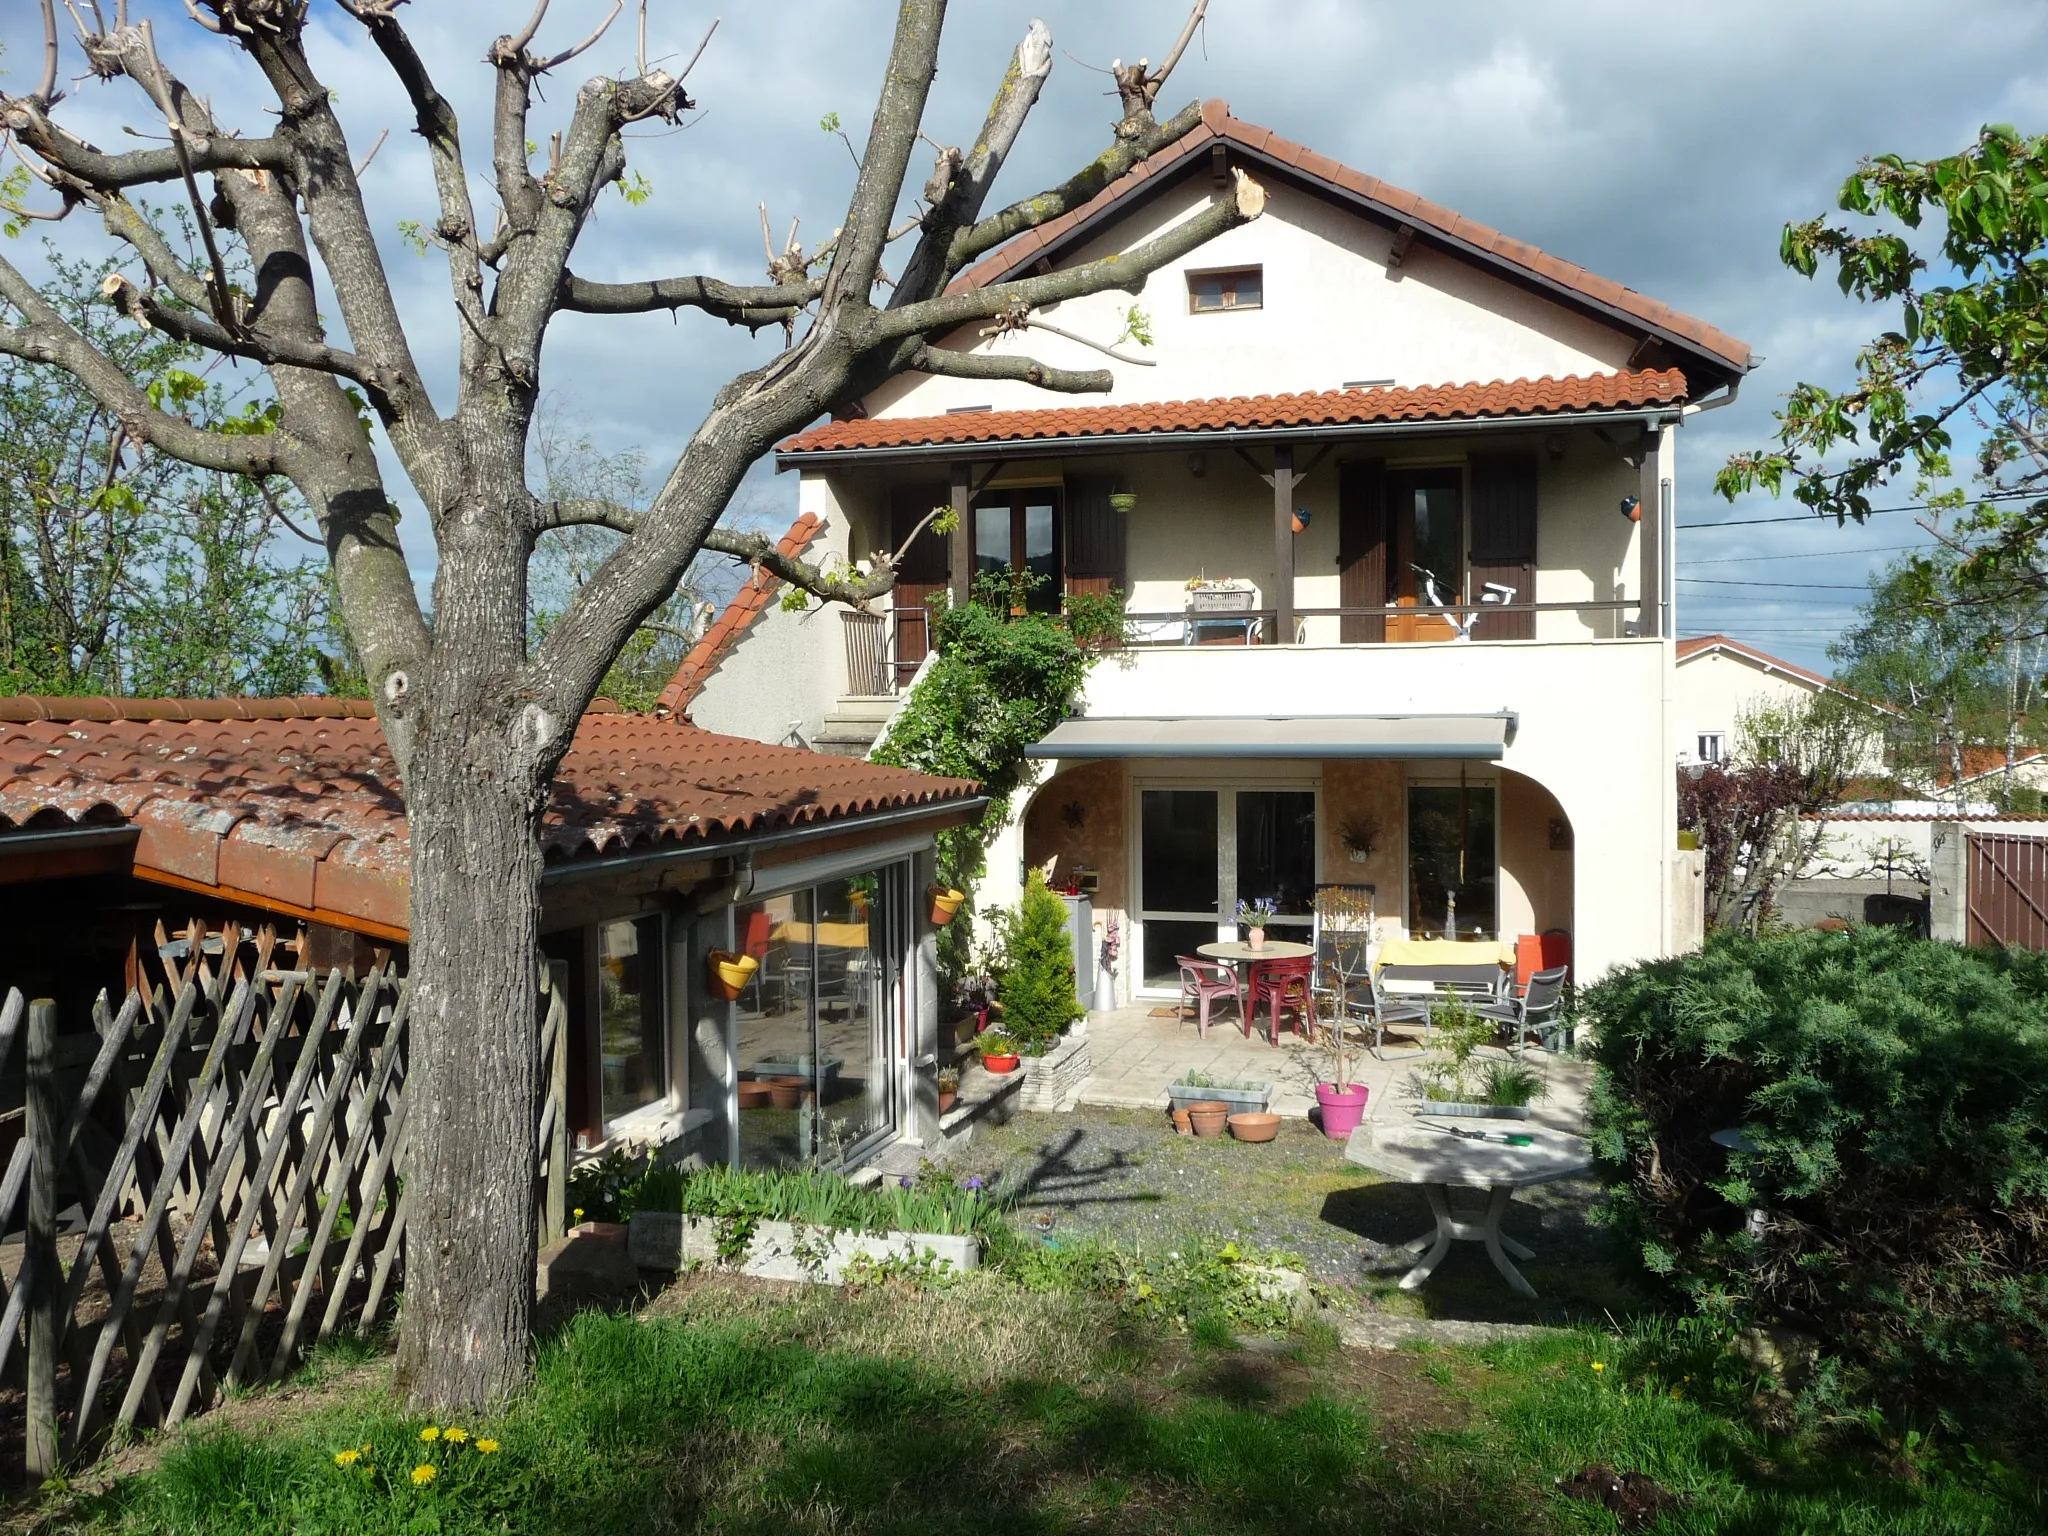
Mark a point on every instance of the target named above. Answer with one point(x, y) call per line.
point(1333, 313)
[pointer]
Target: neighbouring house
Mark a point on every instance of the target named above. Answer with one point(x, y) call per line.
point(1719, 680)
point(122, 821)
point(1392, 510)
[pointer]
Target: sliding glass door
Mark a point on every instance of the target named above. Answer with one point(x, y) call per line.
point(1202, 850)
point(1453, 861)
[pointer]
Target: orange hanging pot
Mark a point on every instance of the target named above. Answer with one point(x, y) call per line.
point(727, 972)
point(945, 905)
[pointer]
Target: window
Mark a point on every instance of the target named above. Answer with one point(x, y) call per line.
point(1710, 747)
point(1452, 861)
point(1202, 849)
point(630, 1037)
point(1238, 288)
point(1016, 533)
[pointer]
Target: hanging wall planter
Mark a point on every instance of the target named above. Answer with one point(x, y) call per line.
point(727, 973)
point(945, 904)
point(1124, 502)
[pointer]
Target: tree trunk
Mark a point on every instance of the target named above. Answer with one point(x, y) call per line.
point(473, 1070)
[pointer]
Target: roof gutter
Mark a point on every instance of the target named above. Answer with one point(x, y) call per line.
point(743, 847)
point(1056, 447)
point(67, 838)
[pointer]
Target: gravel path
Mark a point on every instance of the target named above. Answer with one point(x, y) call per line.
point(1126, 1175)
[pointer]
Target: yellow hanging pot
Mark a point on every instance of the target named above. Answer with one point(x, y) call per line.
point(728, 972)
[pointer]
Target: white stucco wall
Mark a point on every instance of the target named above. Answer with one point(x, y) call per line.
point(789, 669)
point(1715, 687)
point(1332, 313)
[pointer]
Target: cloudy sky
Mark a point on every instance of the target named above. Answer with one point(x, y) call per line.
point(1662, 146)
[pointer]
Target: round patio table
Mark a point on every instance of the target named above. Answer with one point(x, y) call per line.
point(1238, 952)
point(1428, 1153)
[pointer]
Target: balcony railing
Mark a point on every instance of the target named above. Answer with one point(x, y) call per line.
point(1255, 626)
point(884, 650)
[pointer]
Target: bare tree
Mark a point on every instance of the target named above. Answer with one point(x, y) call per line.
point(478, 718)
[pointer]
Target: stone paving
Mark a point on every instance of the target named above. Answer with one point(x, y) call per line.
point(1137, 1054)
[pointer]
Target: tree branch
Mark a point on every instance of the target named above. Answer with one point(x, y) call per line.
point(258, 346)
point(968, 365)
point(752, 307)
point(845, 584)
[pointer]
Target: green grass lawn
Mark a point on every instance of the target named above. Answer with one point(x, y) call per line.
point(738, 1406)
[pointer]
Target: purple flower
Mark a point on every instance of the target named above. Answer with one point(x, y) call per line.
point(904, 1181)
point(974, 1183)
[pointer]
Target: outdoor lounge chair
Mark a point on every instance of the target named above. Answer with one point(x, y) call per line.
point(1536, 1015)
point(1388, 1009)
point(1202, 983)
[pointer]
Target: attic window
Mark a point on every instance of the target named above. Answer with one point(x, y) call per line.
point(1236, 288)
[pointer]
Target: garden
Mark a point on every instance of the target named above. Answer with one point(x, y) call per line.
point(1805, 1293)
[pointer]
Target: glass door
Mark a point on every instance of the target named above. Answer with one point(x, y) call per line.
point(1453, 861)
point(1426, 507)
point(853, 1051)
point(1016, 534)
point(1276, 856)
point(1201, 851)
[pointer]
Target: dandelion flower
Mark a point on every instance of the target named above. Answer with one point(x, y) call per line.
point(424, 1474)
point(486, 1447)
point(347, 1458)
point(1599, 1365)
point(430, 1434)
point(579, 1213)
point(454, 1436)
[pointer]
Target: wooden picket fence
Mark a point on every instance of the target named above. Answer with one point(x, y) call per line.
point(207, 1184)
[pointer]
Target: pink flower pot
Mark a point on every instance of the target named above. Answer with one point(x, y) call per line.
point(1342, 1108)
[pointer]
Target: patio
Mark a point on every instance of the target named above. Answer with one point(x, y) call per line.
point(1137, 1051)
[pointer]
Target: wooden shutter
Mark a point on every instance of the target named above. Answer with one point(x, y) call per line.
point(923, 572)
point(1095, 536)
point(1504, 539)
point(1362, 549)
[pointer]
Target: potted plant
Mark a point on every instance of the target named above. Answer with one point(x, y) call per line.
point(949, 1090)
point(1460, 1086)
point(1341, 1101)
point(1254, 915)
point(1038, 985)
point(998, 1052)
point(945, 905)
point(1123, 501)
point(1360, 835)
point(728, 972)
point(1105, 975)
point(1198, 1087)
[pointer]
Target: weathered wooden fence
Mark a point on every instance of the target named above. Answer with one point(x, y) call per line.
point(206, 1184)
point(2008, 890)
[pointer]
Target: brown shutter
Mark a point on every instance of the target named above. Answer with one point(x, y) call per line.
point(1362, 549)
point(1504, 539)
point(1095, 536)
point(923, 570)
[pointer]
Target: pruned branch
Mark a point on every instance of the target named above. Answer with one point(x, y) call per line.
point(1026, 370)
point(752, 307)
point(841, 584)
point(257, 346)
point(1138, 86)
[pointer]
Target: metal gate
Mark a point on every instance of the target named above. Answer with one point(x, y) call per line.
point(2008, 890)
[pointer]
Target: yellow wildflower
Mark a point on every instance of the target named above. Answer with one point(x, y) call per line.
point(1598, 1366)
point(347, 1458)
point(430, 1434)
point(454, 1436)
point(1676, 1393)
point(486, 1447)
point(423, 1475)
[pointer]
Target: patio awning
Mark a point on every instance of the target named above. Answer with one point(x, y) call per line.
point(1440, 736)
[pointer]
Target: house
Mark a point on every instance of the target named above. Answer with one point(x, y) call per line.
point(1391, 504)
point(663, 843)
point(1719, 680)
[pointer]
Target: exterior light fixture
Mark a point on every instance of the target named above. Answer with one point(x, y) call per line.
point(1302, 518)
point(1197, 465)
point(1632, 508)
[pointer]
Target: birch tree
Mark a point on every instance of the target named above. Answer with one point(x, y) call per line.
point(479, 717)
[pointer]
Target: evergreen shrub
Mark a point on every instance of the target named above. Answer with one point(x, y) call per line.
point(1890, 1193)
point(1038, 987)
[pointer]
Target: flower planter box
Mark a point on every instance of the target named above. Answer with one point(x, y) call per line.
point(1252, 1099)
point(781, 1250)
point(1051, 1079)
point(1475, 1111)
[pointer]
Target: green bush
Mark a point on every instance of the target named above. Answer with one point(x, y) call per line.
point(1892, 1194)
point(1037, 988)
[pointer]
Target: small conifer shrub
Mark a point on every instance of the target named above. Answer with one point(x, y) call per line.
point(1038, 988)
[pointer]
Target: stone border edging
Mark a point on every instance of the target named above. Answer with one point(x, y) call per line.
point(781, 1250)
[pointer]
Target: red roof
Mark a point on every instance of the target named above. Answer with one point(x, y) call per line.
point(1701, 644)
point(1336, 407)
point(731, 626)
point(296, 803)
point(1390, 201)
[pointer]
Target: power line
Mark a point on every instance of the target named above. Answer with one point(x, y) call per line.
point(1814, 517)
point(1810, 554)
point(1803, 586)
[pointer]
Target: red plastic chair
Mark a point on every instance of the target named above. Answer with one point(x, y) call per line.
point(1280, 984)
point(1203, 982)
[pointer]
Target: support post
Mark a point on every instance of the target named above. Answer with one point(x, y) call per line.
point(1283, 545)
point(962, 581)
point(45, 1119)
point(1650, 534)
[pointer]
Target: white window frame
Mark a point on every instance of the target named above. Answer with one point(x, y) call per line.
point(1718, 752)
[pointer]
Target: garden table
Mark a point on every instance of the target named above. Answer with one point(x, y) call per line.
point(1237, 952)
point(1428, 1153)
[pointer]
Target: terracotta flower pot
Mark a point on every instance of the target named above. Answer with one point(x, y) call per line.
point(1250, 1126)
point(727, 973)
point(947, 1099)
point(945, 905)
point(754, 1093)
point(789, 1092)
point(1208, 1117)
point(1342, 1108)
point(1000, 1064)
point(1182, 1123)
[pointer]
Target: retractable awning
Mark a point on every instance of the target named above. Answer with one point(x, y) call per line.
point(1482, 737)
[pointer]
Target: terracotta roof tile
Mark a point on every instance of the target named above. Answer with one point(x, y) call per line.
point(748, 604)
point(1337, 407)
point(298, 802)
point(1218, 123)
